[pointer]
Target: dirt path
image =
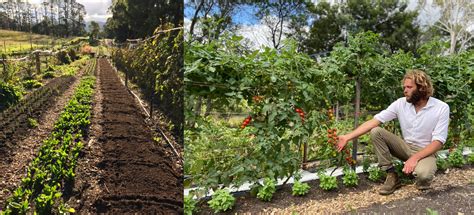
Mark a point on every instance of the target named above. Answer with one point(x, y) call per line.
point(461, 200)
point(123, 170)
point(457, 185)
point(22, 148)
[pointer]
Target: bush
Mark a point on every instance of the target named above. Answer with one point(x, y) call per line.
point(189, 205)
point(30, 84)
point(8, 95)
point(266, 191)
point(300, 189)
point(72, 54)
point(221, 200)
point(63, 57)
point(327, 182)
point(350, 177)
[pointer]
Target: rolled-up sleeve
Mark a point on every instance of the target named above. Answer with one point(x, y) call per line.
point(440, 132)
point(388, 114)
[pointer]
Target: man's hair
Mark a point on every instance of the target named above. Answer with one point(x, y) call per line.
point(422, 81)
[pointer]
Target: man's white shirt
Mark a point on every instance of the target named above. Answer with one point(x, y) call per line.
point(422, 128)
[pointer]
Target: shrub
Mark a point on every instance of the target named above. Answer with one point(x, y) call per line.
point(300, 189)
point(72, 54)
point(266, 191)
point(63, 57)
point(8, 95)
point(221, 200)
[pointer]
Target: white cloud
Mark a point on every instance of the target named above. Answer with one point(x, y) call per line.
point(97, 17)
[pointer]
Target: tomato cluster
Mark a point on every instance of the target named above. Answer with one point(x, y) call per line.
point(300, 112)
point(257, 99)
point(246, 122)
point(330, 114)
point(349, 159)
point(332, 136)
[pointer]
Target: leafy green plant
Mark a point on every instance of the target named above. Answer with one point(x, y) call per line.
point(327, 182)
point(9, 95)
point(350, 177)
point(57, 157)
point(221, 201)
point(30, 84)
point(365, 164)
point(442, 163)
point(266, 191)
point(189, 205)
point(430, 211)
point(32, 123)
point(456, 159)
point(48, 74)
point(375, 173)
point(470, 158)
point(300, 189)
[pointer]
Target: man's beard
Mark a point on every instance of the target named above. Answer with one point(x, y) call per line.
point(415, 97)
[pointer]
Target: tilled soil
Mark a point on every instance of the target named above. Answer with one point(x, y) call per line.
point(123, 170)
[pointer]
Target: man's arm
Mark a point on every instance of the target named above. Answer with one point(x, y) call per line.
point(430, 149)
point(362, 129)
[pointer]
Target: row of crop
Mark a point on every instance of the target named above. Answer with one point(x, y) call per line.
point(52, 171)
point(15, 116)
point(30, 107)
point(222, 200)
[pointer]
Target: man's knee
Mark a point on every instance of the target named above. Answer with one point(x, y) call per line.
point(376, 132)
point(424, 175)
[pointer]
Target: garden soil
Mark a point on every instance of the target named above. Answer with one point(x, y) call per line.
point(123, 170)
point(451, 192)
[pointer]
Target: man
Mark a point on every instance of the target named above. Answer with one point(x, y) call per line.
point(424, 124)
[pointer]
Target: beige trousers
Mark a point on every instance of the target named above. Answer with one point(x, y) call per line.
point(388, 145)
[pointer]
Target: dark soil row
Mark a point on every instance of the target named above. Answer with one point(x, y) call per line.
point(135, 176)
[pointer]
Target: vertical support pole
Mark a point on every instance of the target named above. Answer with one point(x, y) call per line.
point(355, 142)
point(38, 63)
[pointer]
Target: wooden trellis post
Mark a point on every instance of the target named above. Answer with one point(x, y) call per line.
point(38, 63)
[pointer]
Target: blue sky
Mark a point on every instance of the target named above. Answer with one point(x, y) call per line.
point(243, 15)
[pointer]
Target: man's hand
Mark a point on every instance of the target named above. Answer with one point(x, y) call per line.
point(410, 165)
point(343, 139)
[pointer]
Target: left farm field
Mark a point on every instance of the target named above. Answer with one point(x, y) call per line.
point(45, 110)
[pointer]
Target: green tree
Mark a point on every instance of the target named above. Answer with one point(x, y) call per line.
point(138, 19)
point(390, 19)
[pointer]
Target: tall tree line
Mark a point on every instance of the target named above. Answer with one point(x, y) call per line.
point(133, 19)
point(60, 18)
